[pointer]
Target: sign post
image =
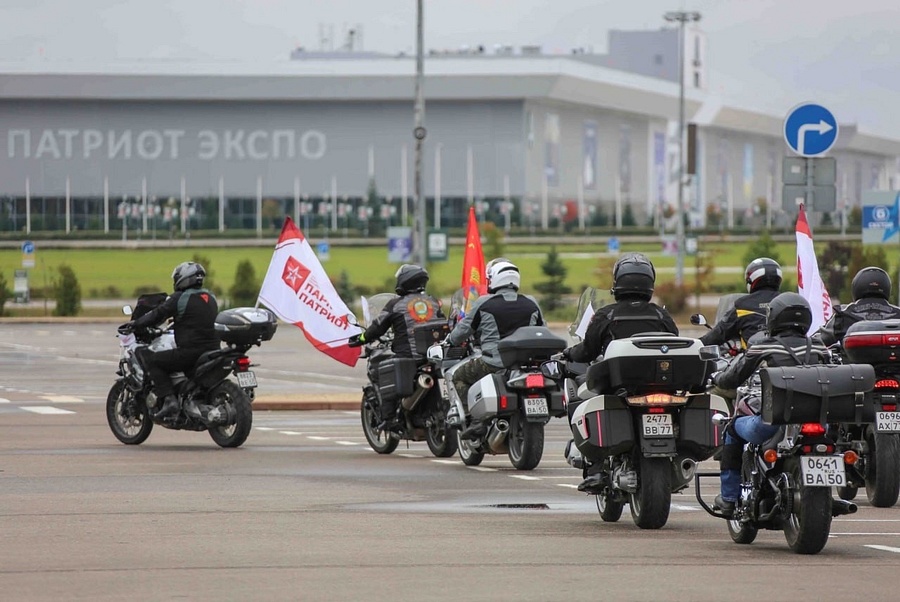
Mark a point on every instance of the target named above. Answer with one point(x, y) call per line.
point(810, 131)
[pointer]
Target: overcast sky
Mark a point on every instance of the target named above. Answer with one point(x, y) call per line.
point(767, 55)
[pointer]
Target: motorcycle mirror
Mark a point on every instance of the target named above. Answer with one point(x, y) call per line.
point(435, 352)
point(709, 352)
point(126, 309)
point(551, 369)
point(699, 320)
point(719, 419)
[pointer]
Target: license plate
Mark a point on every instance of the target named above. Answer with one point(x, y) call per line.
point(247, 380)
point(442, 387)
point(823, 471)
point(887, 422)
point(658, 425)
point(536, 406)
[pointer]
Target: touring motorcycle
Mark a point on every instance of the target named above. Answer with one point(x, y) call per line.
point(418, 383)
point(787, 480)
point(210, 400)
point(641, 414)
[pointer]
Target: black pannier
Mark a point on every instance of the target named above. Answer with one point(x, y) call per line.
point(246, 325)
point(396, 377)
point(529, 344)
point(818, 393)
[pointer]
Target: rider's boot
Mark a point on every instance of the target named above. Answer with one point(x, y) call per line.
point(454, 419)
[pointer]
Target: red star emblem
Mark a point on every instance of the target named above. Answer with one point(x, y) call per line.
point(294, 274)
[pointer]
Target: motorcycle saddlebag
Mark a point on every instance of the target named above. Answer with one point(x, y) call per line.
point(427, 334)
point(698, 435)
point(602, 426)
point(246, 325)
point(818, 393)
point(873, 342)
point(529, 344)
point(396, 377)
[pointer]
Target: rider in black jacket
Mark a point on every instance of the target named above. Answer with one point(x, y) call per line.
point(748, 316)
point(193, 310)
point(789, 317)
point(870, 288)
point(412, 306)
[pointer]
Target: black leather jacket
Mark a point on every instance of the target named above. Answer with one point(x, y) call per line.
point(868, 308)
point(619, 320)
point(193, 312)
point(746, 318)
point(402, 314)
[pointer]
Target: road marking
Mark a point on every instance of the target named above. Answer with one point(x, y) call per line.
point(569, 485)
point(3, 400)
point(62, 399)
point(345, 442)
point(682, 507)
point(856, 534)
point(482, 468)
point(409, 456)
point(441, 461)
point(884, 548)
point(870, 520)
point(46, 410)
point(290, 433)
point(525, 477)
point(265, 428)
point(314, 438)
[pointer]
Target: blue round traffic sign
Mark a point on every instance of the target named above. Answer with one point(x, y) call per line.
point(810, 130)
point(28, 247)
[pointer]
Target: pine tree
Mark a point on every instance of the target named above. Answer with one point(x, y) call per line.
point(554, 288)
point(245, 290)
point(67, 292)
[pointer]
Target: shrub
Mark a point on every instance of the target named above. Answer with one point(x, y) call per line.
point(67, 292)
point(245, 290)
point(672, 297)
point(5, 292)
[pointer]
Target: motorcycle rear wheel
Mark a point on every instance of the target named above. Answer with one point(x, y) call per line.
point(468, 452)
point(883, 470)
point(227, 393)
point(848, 493)
point(128, 418)
point(650, 504)
point(610, 511)
point(525, 442)
point(807, 527)
point(741, 533)
point(380, 441)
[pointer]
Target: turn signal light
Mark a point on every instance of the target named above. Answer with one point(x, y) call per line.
point(656, 399)
point(850, 457)
point(770, 455)
point(812, 429)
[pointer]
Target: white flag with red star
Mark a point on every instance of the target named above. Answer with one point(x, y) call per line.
point(809, 282)
point(299, 291)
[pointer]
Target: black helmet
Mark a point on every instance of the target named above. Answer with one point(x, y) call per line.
point(188, 275)
point(633, 276)
point(410, 279)
point(763, 272)
point(788, 312)
point(871, 282)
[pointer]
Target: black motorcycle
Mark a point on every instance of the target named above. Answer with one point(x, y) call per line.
point(210, 401)
point(419, 385)
point(787, 480)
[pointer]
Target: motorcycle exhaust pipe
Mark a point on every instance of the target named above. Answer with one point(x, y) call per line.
point(688, 468)
point(424, 383)
point(841, 507)
point(497, 435)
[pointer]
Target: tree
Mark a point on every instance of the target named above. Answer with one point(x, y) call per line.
point(245, 290)
point(5, 293)
point(67, 293)
point(345, 289)
point(206, 262)
point(628, 216)
point(494, 239)
point(763, 246)
point(554, 288)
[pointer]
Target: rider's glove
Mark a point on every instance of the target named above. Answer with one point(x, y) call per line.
point(357, 340)
point(127, 327)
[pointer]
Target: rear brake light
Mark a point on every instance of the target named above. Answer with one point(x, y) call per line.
point(872, 340)
point(656, 410)
point(504, 402)
point(243, 364)
point(533, 381)
point(812, 429)
point(887, 383)
point(656, 399)
point(889, 407)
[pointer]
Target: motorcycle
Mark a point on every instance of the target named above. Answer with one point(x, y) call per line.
point(209, 400)
point(508, 409)
point(418, 384)
point(787, 480)
point(874, 434)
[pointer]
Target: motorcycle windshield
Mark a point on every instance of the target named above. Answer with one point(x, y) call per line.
point(590, 301)
point(726, 303)
point(375, 304)
point(458, 305)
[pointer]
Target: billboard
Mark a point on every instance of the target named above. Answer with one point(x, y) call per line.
point(880, 217)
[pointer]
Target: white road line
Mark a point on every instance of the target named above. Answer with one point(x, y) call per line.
point(568, 485)
point(290, 433)
point(483, 468)
point(45, 410)
point(409, 456)
point(319, 438)
point(681, 507)
point(345, 442)
point(525, 477)
point(870, 520)
point(856, 534)
point(574, 476)
point(441, 461)
point(62, 399)
point(265, 428)
point(3, 400)
point(884, 548)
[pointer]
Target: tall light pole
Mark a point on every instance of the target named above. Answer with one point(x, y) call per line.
point(682, 17)
point(419, 254)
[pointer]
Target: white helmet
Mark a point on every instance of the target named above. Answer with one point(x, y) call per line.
point(502, 273)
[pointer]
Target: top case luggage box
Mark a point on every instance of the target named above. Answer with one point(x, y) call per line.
point(647, 364)
point(246, 325)
point(529, 344)
point(874, 342)
point(819, 393)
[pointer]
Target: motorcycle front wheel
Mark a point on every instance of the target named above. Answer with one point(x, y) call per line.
point(650, 503)
point(468, 451)
point(807, 526)
point(439, 437)
point(525, 442)
point(128, 418)
point(380, 441)
point(228, 394)
point(883, 470)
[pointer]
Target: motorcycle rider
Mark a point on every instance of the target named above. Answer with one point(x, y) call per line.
point(787, 321)
point(193, 310)
point(634, 278)
point(871, 288)
point(748, 316)
point(493, 317)
point(412, 306)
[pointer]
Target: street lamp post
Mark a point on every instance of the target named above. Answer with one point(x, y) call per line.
point(419, 254)
point(682, 17)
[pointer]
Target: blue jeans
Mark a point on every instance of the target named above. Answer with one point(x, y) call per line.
point(750, 429)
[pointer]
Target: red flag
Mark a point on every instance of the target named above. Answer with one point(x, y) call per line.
point(299, 291)
point(809, 282)
point(473, 280)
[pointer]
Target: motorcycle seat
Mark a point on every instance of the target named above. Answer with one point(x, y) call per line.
point(773, 441)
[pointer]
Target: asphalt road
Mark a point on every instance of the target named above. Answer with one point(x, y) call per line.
point(306, 511)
